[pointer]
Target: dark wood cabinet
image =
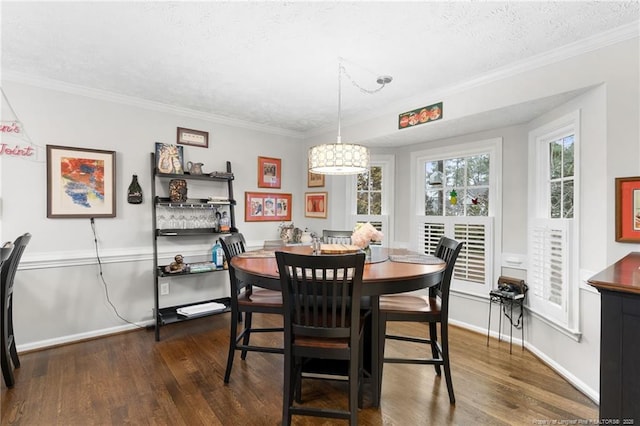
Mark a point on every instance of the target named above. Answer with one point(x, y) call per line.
point(619, 287)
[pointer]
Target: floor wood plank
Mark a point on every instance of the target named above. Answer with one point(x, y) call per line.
point(131, 379)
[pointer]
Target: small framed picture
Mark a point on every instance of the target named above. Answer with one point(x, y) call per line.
point(269, 172)
point(266, 207)
point(169, 159)
point(193, 137)
point(315, 204)
point(628, 209)
point(315, 180)
point(80, 182)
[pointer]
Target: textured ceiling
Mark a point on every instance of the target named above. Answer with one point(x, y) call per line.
point(276, 63)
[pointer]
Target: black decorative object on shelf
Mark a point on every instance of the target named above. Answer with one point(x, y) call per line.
point(134, 195)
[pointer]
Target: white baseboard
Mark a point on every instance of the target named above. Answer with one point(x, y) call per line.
point(74, 338)
point(592, 394)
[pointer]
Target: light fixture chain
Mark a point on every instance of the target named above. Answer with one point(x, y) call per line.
point(362, 89)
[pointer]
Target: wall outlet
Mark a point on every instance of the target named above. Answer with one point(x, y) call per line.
point(164, 289)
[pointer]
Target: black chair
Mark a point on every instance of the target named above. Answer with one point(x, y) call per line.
point(323, 321)
point(247, 299)
point(336, 237)
point(432, 309)
point(8, 352)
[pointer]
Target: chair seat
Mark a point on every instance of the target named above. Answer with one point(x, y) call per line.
point(261, 297)
point(324, 342)
point(410, 303)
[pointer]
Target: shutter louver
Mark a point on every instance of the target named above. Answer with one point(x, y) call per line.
point(431, 234)
point(471, 262)
point(549, 268)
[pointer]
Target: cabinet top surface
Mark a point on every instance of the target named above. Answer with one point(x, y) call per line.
point(622, 276)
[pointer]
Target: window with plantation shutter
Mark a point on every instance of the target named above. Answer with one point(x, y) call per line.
point(472, 272)
point(457, 197)
point(553, 217)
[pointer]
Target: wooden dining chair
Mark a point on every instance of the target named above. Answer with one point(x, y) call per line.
point(8, 352)
point(247, 299)
point(432, 309)
point(336, 237)
point(323, 321)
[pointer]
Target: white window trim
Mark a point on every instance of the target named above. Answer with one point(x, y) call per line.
point(538, 202)
point(494, 148)
point(387, 162)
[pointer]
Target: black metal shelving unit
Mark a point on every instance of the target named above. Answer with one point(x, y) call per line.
point(169, 314)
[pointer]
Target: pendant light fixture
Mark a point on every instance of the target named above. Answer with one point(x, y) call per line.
point(342, 158)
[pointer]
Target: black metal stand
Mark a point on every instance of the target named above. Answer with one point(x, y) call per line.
point(507, 300)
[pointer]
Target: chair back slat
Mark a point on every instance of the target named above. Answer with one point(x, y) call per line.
point(5, 252)
point(232, 246)
point(448, 250)
point(336, 237)
point(321, 294)
point(11, 266)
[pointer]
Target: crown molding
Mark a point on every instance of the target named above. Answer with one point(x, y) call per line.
point(580, 47)
point(104, 95)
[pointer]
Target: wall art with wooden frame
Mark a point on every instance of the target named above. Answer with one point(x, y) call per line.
point(628, 209)
point(267, 207)
point(269, 172)
point(315, 204)
point(81, 182)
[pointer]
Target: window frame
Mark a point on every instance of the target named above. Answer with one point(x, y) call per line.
point(567, 319)
point(387, 163)
point(493, 221)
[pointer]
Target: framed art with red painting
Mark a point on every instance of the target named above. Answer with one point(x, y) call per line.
point(269, 172)
point(315, 204)
point(628, 209)
point(266, 207)
point(80, 182)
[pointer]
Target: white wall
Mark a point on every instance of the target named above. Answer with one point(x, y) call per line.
point(59, 295)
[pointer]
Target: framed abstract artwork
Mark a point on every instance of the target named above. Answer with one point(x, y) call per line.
point(628, 209)
point(269, 172)
point(266, 207)
point(80, 182)
point(315, 204)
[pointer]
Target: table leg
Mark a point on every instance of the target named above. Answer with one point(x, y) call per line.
point(511, 328)
point(376, 357)
point(500, 321)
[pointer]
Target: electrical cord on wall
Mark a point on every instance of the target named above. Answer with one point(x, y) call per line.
point(104, 283)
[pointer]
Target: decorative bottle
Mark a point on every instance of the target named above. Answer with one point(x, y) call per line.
point(134, 195)
point(225, 222)
point(217, 255)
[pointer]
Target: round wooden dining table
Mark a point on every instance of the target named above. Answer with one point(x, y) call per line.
point(381, 276)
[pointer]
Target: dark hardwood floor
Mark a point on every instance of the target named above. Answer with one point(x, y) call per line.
point(131, 379)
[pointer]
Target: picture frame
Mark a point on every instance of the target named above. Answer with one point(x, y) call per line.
point(192, 137)
point(269, 172)
point(267, 207)
point(315, 180)
point(169, 159)
point(81, 182)
point(628, 209)
point(315, 204)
